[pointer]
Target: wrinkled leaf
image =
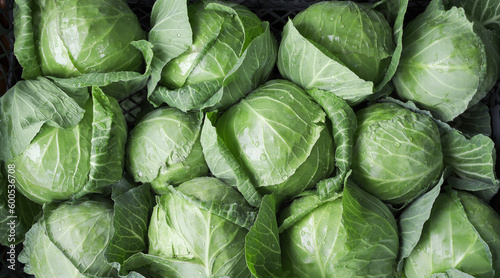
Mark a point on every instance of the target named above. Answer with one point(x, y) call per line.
point(344, 125)
point(412, 220)
point(262, 245)
point(223, 164)
point(30, 104)
point(109, 134)
point(132, 208)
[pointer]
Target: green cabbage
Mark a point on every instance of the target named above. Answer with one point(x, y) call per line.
point(397, 153)
point(164, 148)
point(208, 54)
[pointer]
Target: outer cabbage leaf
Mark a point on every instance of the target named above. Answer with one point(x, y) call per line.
point(398, 40)
point(227, 58)
point(116, 84)
point(262, 246)
point(412, 220)
point(372, 235)
point(310, 66)
point(313, 246)
point(170, 34)
point(344, 125)
point(475, 120)
point(109, 134)
point(132, 208)
point(36, 245)
point(223, 164)
point(253, 67)
point(485, 12)
point(472, 161)
point(29, 105)
point(492, 48)
point(206, 26)
point(486, 221)
point(145, 265)
point(452, 273)
point(449, 240)
point(25, 48)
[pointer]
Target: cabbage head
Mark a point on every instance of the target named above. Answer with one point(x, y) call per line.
point(208, 54)
point(449, 62)
point(343, 47)
point(280, 136)
point(452, 234)
point(94, 41)
point(351, 235)
point(89, 237)
point(397, 153)
point(69, 241)
point(164, 148)
point(197, 229)
point(63, 143)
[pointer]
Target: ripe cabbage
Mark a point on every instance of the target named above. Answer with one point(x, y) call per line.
point(89, 237)
point(98, 42)
point(349, 234)
point(164, 148)
point(63, 143)
point(197, 229)
point(208, 54)
point(343, 47)
point(280, 137)
point(449, 62)
point(397, 153)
